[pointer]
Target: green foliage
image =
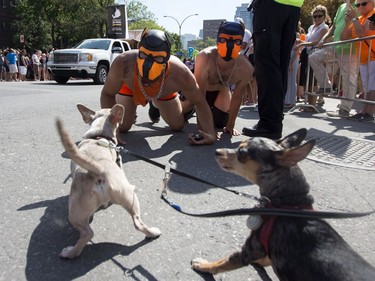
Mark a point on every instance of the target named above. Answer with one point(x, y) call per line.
point(142, 24)
point(176, 43)
point(138, 12)
point(60, 24)
point(202, 44)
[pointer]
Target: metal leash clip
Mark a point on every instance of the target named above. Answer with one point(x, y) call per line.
point(167, 176)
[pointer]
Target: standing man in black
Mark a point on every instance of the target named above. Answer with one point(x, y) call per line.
point(274, 30)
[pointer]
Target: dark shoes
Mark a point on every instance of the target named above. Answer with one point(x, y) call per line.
point(189, 114)
point(153, 113)
point(260, 132)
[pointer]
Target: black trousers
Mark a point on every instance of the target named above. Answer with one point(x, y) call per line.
point(274, 32)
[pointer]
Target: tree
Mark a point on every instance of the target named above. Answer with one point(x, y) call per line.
point(138, 12)
point(202, 44)
point(56, 23)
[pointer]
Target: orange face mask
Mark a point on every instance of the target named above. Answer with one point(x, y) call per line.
point(151, 64)
point(229, 46)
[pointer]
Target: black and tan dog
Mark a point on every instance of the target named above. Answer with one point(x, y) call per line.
point(297, 248)
point(98, 177)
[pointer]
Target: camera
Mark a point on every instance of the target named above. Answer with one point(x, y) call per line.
point(197, 137)
point(372, 18)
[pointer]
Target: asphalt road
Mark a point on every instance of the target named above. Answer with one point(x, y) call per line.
point(35, 186)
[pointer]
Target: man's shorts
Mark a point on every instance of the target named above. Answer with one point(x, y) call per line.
point(220, 117)
point(13, 68)
point(125, 91)
point(368, 75)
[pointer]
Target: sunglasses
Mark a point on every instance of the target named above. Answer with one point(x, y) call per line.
point(363, 4)
point(317, 16)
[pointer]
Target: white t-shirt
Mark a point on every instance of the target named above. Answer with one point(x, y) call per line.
point(313, 33)
point(246, 38)
point(35, 59)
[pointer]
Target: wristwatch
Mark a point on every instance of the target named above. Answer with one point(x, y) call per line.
point(354, 19)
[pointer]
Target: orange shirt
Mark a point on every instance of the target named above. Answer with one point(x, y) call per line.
point(362, 46)
point(152, 90)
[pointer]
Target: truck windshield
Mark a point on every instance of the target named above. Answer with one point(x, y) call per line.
point(94, 44)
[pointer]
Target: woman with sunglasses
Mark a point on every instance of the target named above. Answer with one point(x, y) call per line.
point(359, 27)
point(314, 34)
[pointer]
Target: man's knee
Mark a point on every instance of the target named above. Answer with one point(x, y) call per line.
point(124, 127)
point(177, 126)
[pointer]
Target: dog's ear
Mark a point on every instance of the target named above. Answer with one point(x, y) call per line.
point(87, 113)
point(294, 139)
point(117, 114)
point(290, 157)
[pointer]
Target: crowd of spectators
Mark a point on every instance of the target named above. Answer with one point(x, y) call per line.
point(18, 65)
point(350, 21)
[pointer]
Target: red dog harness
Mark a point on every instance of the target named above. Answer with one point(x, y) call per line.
point(269, 221)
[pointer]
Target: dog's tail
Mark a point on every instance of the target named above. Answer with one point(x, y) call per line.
point(78, 157)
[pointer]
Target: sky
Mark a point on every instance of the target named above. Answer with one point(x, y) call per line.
point(180, 9)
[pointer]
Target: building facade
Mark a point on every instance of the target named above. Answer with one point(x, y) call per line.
point(186, 38)
point(247, 16)
point(210, 28)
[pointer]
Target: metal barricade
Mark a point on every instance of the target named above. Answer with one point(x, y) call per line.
point(335, 63)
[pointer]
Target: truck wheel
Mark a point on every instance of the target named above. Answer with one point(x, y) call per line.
point(61, 79)
point(101, 74)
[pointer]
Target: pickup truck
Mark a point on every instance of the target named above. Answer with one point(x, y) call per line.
point(91, 58)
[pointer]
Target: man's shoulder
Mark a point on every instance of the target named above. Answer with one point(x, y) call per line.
point(244, 67)
point(207, 53)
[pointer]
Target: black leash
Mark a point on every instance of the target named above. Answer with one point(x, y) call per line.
point(183, 174)
point(245, 211)
point(271, 212)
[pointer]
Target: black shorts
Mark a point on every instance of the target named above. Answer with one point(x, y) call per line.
point(220, 117)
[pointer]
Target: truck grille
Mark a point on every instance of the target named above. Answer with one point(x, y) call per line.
point(65, 58)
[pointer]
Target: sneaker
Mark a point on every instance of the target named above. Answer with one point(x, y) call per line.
point(362, 117)
point(338, 113)
point(153, 113)
point(189, 114)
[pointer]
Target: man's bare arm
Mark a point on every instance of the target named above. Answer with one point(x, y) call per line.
point(235, 104)
point(112, 85)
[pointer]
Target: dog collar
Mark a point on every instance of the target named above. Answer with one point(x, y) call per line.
point(106, 142)
point(111, 145)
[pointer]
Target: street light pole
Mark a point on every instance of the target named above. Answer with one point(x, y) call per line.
point(179, 28)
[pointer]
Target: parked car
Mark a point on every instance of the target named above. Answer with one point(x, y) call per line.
point(91, 58)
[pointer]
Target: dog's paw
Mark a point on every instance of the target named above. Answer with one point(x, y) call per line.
point(200, 264)
point(153, 232)
point(67, 253)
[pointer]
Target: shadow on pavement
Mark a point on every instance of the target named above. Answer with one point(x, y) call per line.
point(198, 161)
point(54, 233)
